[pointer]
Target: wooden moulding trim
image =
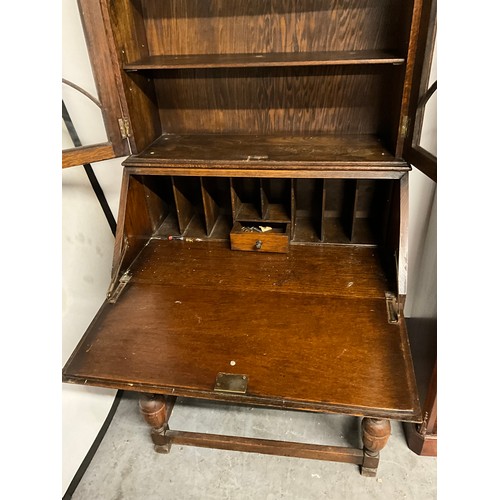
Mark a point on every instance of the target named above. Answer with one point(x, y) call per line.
point(412, 383)
point(230, 171)
point(120, 243)
point(105, 68)
point(87, 154)
point(399, 166)
point(402, 415)
point(267, 446)
point(423, 445)
point(409, 74)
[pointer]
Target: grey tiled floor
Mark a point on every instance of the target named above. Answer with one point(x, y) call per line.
point(126, 467)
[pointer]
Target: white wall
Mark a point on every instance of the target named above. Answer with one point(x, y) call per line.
point(422, 247)
point(87, 246)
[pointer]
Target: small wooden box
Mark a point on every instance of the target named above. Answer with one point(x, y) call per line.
point(275, 240)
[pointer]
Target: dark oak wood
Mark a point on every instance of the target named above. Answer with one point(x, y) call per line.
point(184, 203)
point(267, 446)
point(410, 72)
point(210, 207)
point(185, 27)
point(284, 100)
point(422, 444)
point(425, 44)
point(329, 271)
point(276, 202)
point(424, 160)
point(422, 438)
point(138, 98)
point(240, 96)
point(104, 62)
point(277, 171)
point(276, 240)
point(87, 154)
point(153, 410)
point(156, 410)
point(376, 433)
point(188, 323)
point(268, 151)
point(141, 212)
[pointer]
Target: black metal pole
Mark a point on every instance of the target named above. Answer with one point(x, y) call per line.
point(90, 172)
point(112, 224)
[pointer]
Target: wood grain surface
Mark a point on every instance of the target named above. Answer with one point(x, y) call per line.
point(297, 100)
point(260, 151)
point(217, 26)
point(295, 334)
point(323, 58)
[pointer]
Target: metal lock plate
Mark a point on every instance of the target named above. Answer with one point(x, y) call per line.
point(230, 382)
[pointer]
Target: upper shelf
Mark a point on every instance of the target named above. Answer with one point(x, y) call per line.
point(329, 58)
point(291, 152)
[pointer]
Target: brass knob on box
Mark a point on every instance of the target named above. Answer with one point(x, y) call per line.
point(258, 244)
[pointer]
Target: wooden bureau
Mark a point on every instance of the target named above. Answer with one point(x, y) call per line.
point(261, 247)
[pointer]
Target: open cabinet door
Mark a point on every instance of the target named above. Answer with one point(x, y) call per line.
point(104, 63)
point(419, 151)
point(422, 91)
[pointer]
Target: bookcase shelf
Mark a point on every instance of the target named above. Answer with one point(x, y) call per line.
point(324, 58)
point(296, 152)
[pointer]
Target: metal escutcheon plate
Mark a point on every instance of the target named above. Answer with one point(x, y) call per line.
point(230, 382)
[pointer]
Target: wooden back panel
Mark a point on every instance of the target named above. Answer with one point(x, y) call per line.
point(344, 100)
point(239, 26)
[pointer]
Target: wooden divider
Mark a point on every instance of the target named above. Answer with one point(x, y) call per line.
point(328, 211)
point(210, 207)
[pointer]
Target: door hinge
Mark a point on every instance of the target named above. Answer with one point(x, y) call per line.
point(124, 125)
point(392, 304)
point(115, 292)
point(423, 426)
point(404, 126)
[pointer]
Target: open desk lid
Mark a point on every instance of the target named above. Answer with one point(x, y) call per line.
point(194, 311)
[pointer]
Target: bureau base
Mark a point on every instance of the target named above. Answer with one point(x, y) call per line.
point(156, 410)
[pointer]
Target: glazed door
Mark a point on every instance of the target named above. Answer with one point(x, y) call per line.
point(100, 96)
point(417, 150)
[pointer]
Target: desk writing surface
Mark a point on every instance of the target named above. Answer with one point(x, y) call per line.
point(306, 328)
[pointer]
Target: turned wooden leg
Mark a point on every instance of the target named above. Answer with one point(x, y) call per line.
point(376, 433)
point(156, 410)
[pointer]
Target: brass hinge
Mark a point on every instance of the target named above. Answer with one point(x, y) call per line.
point(423, 426)
point(113, 292)
point(124, 125)
point(404, 126)
point(392, 304)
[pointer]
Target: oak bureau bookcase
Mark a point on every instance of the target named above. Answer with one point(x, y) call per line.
point(261, 247)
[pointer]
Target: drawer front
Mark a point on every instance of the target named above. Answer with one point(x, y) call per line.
point(276, 240)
